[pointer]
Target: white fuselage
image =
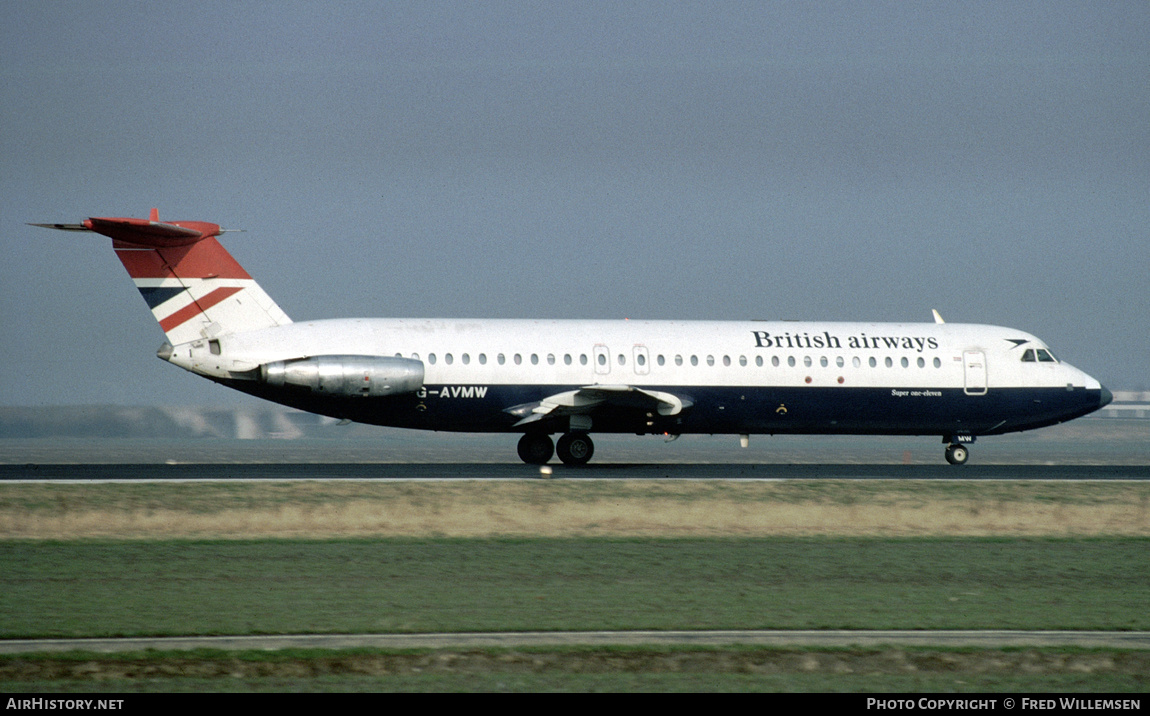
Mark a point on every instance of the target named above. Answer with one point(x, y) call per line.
point(737, 376)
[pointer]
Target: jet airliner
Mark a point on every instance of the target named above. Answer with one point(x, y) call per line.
point(540, 378)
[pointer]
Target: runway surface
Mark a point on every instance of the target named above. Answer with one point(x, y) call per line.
point(984, 639)
point(518, 471)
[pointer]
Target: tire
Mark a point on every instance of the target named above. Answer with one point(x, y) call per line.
point(575, 448)
point(957, 454)
point(536, 448)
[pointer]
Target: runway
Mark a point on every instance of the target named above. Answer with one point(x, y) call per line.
point(517, 471)
point(983, 639)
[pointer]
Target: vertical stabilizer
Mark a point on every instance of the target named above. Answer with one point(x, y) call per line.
point(192, 284)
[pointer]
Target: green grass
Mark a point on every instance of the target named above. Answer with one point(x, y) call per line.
point(135, 588)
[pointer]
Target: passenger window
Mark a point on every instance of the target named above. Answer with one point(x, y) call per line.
point(694, 360)
point(807, 361)
point(482, 359)
point(448, 359)
point(905, 362)
point(661, 359)
point(534, 359)
point(582, 359)
point(873, 363)
point(678, 360)
point(727, 361)
point(500, 359)
point(791, 361)
point(466, 359)
point(710, 360)
point(743, 360)
point(550, 359)
point(566, 359)
point(518, 359)
point(823, 361)
point(889, 362)
point(431, 358)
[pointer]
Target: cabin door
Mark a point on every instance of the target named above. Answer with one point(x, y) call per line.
point(974, 369)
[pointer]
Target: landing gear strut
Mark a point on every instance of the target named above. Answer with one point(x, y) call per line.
point(536, 448)
point(957, 454)
point(575, 448)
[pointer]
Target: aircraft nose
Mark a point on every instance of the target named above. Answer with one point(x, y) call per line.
point(1104, 397)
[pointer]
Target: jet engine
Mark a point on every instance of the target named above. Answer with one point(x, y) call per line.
point(347, 375)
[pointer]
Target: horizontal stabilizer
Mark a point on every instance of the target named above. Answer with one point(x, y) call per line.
point(150, 232)
point(153, 233)
point(63, 227)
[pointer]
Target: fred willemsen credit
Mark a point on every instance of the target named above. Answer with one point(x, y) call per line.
point(1065, 703)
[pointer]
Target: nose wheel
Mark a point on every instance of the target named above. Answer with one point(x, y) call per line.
point(957, 454)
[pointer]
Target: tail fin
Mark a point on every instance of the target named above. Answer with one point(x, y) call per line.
point(192, 284)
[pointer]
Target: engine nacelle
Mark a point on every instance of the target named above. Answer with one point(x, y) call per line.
point(347, 376)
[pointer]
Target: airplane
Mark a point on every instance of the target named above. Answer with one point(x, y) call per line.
point(539, 378)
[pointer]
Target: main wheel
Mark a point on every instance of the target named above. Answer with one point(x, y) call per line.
point(957, 454)
point(536, 448)
point(575, 448)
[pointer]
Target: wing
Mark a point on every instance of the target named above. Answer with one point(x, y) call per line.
point(595, 398)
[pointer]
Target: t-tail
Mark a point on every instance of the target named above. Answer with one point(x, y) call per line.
point(192, 284)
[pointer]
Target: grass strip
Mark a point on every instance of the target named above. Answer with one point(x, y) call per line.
point(85, 588)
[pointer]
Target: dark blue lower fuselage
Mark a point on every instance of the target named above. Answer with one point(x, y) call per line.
point(718, 410)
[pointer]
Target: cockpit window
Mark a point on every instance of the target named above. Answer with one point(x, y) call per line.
point(1039, 355)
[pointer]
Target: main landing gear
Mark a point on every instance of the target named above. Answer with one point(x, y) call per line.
point(573, 448)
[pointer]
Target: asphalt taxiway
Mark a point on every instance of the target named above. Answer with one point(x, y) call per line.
point(102, 472)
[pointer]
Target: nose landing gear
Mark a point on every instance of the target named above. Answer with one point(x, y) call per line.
point(957, 454)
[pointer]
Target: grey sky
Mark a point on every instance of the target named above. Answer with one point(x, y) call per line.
point(829, 161)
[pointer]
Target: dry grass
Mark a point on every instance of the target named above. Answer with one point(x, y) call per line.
point(574, 509)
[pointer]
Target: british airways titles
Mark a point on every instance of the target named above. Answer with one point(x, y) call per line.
point(862, 341)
